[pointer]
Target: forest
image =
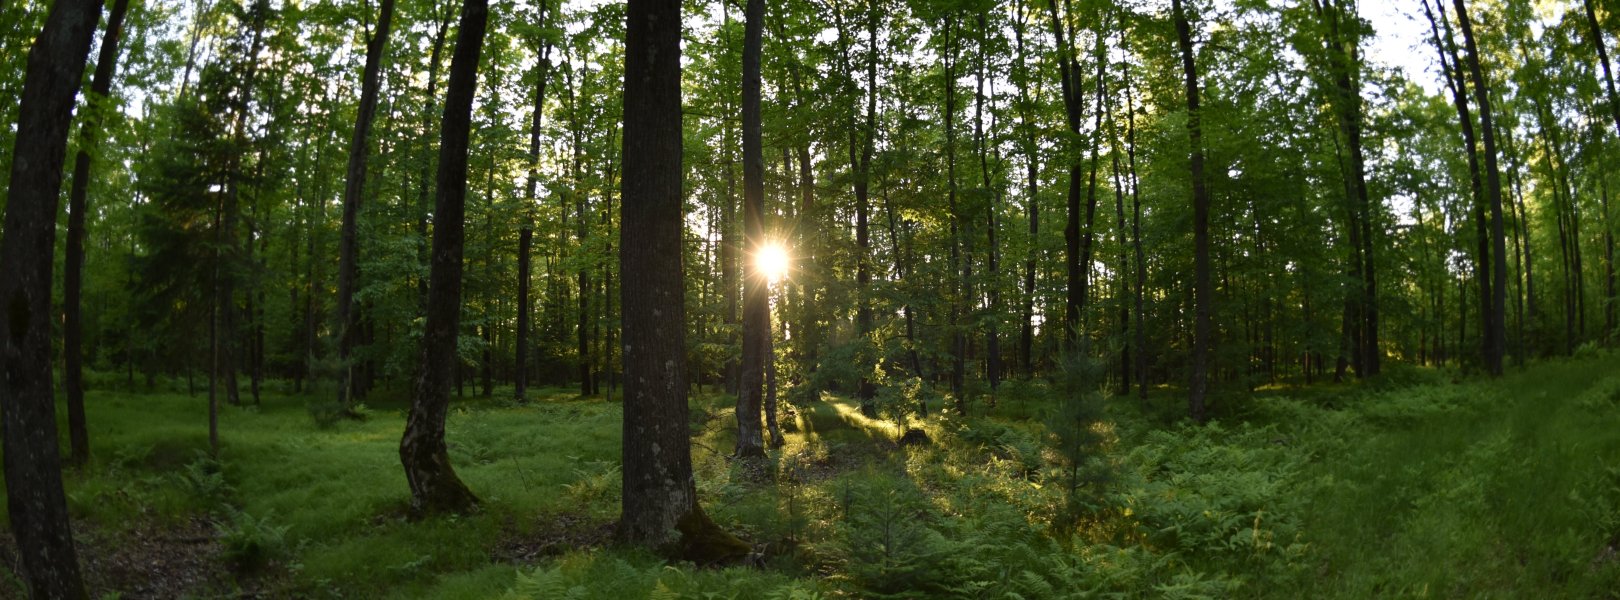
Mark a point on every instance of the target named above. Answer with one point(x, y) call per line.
point(804, 299)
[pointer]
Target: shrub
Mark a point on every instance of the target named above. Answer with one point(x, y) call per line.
point(204, 478)
point(249, 543)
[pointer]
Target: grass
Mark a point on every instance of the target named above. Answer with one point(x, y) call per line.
point(1414, 486)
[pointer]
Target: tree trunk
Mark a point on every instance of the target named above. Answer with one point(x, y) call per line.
point(659, 501)
point(1203, 294)
point(1136, 233)
point(434, 485)
point(37, 503)
point(1493, 188)
point(353, 193)
point(1603, 59)
point(756, 287)
point(958, 339)
point(992, 342)
point(542, 71)
point(73, 264)
point(1451, 66)
point(1026, 339)
point(1069, 69)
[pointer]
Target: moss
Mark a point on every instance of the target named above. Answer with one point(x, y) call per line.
point(705, 543)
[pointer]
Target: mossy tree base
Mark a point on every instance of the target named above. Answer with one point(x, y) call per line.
point(704, 543)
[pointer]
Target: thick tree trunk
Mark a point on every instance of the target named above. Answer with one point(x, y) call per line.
point(756, 287)
point(73, 263)
point(659, 501)
point(35, 499)
point(1203, 294)
point(434, 485)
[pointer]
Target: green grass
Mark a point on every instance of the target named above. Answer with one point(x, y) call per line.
point(1414, 486)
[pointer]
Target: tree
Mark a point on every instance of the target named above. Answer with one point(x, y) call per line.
point(1496, 308)
point(435, 488)
point(73, 263)
point(659, 503)
point(36, 502)
point(1202, 289)
point(353, 191)
point(756, 284)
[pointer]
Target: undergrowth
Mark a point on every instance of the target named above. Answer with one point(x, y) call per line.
point(1412, 485)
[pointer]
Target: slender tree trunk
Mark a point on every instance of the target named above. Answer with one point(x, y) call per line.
point(424, 175)
point(1493, 180)
point(992, 344)
point(659, 504)
point(1451, 66)
point(1203, 294)
point(1136, 233)
point(1603, 59)
point(35, 499)
point(73, 264)
point(1069, 68)
point(958, 339)
point(756, 287)
point(353, 194)
point(435, 488)
point(542, 72)
point(1026, 339)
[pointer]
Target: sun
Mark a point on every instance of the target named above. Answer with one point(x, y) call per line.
point(772, 261)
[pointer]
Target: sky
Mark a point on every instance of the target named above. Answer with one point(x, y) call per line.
point(1401, 41)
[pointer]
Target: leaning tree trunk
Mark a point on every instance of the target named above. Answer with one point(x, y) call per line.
point(37, 503)
point(434, 485)
point(756, 303)
point(73, 263)
point(1202, 290)
point(353, 190)
point(659, 499)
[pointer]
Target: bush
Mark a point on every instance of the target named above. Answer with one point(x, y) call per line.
point(249, 543)
point(204, 478)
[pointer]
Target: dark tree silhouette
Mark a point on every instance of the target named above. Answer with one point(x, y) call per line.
point(435, 488)
point(34, 495)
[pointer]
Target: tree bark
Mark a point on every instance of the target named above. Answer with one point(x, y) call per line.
point(756, 287)
point(1203, 294)
point(73, 263)
point(1069, 69)
point(1026, 339)
point(1493, 179)
point(353, 193)
point(542, 72)
point(659, 501)
point(35, 499)
point(992, 343)
point(435, 488)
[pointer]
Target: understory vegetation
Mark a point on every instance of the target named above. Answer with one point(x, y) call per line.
point(1416, 485)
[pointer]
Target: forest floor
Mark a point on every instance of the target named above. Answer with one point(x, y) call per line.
point(1416, 485)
